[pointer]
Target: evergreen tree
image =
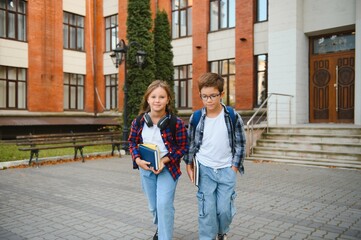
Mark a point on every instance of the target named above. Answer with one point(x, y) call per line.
point(163, 50)
point(139, 26)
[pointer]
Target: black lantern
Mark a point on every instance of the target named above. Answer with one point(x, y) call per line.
point(118, 55)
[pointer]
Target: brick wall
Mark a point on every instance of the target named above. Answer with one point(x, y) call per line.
point(45, 72)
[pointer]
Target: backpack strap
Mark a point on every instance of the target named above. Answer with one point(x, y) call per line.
point(233, 116)
point(172, 125)
point(197, 116)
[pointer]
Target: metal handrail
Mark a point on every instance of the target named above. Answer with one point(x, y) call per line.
point(251, 122)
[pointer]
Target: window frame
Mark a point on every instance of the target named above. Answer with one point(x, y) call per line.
point(77, 87)
point(258, 103)
point(16, 13)
point(227, 79)
point(109, 90)
point(188, 82)
point(72, 29)
point(113, 29)
point(16, 82)
point(259, 4)
point(188, 19)
point(219, 26)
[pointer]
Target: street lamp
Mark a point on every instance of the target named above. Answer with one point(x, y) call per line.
point(119, 54)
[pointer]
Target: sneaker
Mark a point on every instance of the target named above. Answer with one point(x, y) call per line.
point(221, 237)
point(155, 237)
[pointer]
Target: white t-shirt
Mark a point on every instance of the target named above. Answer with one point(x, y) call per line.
point(215, 151)
point(154, 136)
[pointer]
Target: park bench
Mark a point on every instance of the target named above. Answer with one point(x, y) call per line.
point(36, 143)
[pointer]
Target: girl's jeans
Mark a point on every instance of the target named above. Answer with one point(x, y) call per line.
point(160, 190)
point(215, 201)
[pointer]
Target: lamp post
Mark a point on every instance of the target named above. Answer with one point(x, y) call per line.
point(119, 54)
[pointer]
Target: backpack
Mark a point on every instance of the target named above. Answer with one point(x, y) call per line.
point(197, 116)
point(172, 123)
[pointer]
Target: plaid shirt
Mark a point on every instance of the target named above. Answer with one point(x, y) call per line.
point(236, 136)
point(176, 149)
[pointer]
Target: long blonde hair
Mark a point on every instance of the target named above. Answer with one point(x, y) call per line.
point(144, 107)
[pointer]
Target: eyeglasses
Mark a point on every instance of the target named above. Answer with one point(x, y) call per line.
point(212, 97)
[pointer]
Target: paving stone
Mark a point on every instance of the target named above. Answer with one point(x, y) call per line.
point(102, 199)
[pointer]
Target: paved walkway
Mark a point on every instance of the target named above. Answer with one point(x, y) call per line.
point(102, 199)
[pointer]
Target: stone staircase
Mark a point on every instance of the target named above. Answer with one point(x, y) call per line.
point(329, 145)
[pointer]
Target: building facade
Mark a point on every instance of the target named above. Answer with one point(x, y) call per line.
point(56, 73)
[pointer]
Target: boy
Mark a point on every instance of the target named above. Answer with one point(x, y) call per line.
point(218, 143)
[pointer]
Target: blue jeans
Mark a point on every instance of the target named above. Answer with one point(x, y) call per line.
point(215, 201)
point(160, 191)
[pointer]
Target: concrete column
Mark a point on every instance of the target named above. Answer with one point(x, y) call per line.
point(288, 62)
point(358, 64)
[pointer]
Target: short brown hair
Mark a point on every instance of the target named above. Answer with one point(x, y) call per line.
point(211, 80)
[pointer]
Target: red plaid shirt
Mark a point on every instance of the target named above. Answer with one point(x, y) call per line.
point(176, 147)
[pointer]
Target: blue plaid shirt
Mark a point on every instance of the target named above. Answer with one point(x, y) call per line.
point(236, 136)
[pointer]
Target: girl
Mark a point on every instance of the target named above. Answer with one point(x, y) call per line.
point(155, 125)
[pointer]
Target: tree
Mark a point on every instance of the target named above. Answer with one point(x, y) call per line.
point(163, 50)
point(139, 26)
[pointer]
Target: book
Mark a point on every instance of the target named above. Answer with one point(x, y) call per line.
point(150, 153)
point(196, 171)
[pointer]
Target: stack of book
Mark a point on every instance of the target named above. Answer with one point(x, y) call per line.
point(150, 153)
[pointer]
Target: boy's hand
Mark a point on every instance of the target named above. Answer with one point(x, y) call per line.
point(190, 171)
point(235, 169)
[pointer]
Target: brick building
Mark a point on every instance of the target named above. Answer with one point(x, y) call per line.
point(56, 74)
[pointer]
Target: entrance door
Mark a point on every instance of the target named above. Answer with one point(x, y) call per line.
point(332, 88)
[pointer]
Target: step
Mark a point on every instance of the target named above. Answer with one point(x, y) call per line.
point(310, 145)
point(310, 162)
point(299, 153)
point(316, 129)
point(324, 138)
point(338, 161)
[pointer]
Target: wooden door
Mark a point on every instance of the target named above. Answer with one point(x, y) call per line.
point(332, 88)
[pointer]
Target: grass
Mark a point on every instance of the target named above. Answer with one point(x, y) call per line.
point(10, 152)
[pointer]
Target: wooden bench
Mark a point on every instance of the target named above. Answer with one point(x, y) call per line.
point(35, 143)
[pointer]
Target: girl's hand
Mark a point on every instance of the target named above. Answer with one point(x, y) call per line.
point(160, 168)
point(162, 163)
point(143, 164)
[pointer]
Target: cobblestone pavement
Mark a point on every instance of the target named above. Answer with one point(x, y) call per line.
point(102, 199)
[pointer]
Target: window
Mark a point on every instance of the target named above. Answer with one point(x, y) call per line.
point(222, 14)
point(183, 86)
point(262, 10)
point(73, 91)
point(12, 87)
point(73, 31)
point(181, 18)
point(111, 91)
point(333, 43)
point(13, 19)
point(261, 79)
point(227, 69)
point(111, 33)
